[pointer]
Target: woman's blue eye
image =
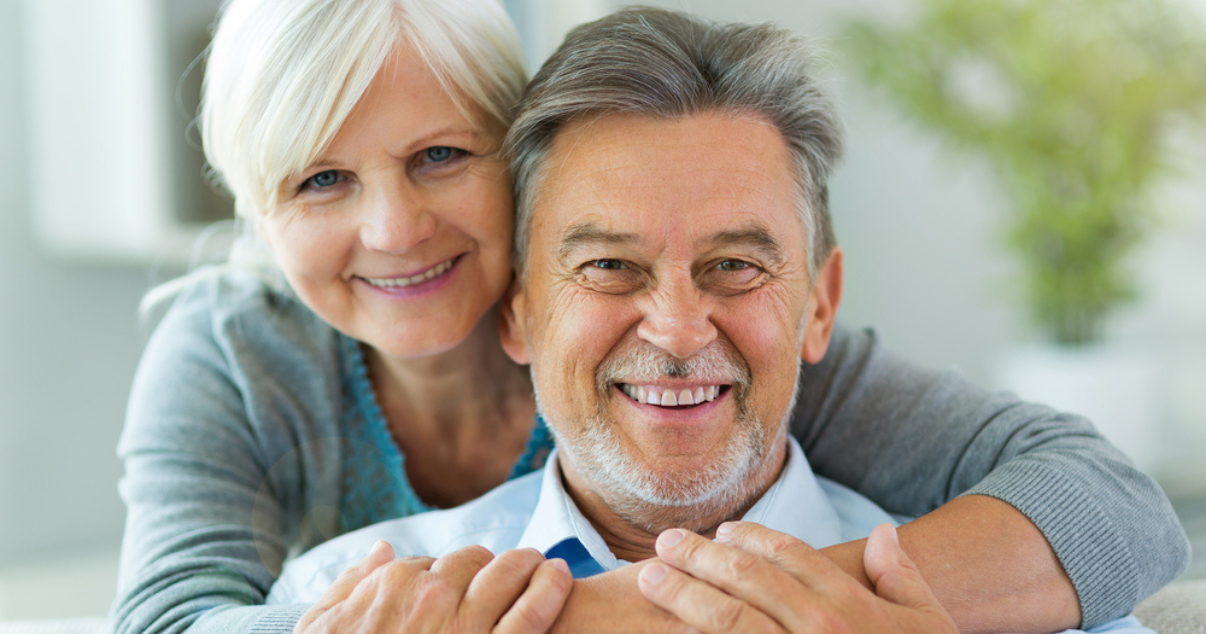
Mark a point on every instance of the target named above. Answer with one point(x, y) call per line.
point(328, 178)
point(439, 154)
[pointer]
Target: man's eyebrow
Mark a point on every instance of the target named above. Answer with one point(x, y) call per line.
point(589, 234)
point(755, 236)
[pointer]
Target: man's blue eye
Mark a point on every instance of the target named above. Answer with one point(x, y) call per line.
point(610, 265)
point(439, 154)
point(734, 265)
point(325, 179)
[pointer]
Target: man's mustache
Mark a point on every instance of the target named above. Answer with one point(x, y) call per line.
point(640, 362)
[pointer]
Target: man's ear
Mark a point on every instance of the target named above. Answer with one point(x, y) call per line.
point(511, 320)
point(826, 295)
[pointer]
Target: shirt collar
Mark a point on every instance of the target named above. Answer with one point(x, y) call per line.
point(795, 504)
point(557, 518)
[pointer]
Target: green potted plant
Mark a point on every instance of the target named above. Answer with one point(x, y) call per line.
point(1072, 104)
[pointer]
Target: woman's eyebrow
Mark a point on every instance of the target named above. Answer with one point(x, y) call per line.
point(447, 131)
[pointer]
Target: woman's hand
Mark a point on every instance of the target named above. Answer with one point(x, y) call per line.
point(467, 591)
point(759, 580)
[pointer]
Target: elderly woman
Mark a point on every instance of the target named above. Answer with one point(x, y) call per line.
point(345, 366)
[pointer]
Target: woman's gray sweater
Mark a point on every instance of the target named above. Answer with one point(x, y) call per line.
point(236, 457)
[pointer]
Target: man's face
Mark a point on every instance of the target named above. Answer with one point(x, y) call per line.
point(665, 308)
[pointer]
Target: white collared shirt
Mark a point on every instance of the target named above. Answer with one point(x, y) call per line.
point(534, 511)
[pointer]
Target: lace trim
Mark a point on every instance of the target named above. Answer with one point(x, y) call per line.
point(375, 486)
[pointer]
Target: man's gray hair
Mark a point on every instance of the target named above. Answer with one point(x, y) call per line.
point(668, 64)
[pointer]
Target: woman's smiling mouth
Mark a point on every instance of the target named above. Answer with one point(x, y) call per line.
point(418, 278)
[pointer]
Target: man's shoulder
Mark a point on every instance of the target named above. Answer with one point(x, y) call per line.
point(495, 521)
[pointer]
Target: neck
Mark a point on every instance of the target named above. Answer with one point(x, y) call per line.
point(468, 388)
point(630, 526)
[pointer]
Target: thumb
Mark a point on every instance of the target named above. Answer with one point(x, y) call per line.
point(381, 553)
point(894, 575)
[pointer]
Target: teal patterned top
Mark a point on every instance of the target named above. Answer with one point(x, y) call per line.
point(375, 486)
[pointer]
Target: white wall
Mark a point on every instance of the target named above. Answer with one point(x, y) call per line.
point(69, 343)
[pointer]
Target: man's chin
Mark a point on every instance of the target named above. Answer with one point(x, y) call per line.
point(697, 493)
point(700, 513)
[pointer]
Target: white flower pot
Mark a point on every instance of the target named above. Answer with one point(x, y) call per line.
point(1113, 385)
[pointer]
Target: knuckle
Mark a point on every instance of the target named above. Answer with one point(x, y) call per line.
point(739, 565)
point(402, 571)
point(518, 562)
point(728, 615)
point(692, 545)
point(782, 545)
point(477, 553)
point(431, 595)
point(396, 571)
point(532, 617)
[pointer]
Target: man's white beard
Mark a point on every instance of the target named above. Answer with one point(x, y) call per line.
point(696, 500)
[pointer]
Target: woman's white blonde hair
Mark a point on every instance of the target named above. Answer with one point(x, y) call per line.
point(283, 75)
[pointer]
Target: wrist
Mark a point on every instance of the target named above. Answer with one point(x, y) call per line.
point(849, 557)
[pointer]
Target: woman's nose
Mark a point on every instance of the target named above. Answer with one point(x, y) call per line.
point(396, 220)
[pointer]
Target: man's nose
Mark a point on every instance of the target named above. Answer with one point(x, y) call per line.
point(396, 219)
point(678, 320)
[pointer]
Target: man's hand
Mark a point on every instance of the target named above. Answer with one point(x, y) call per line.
point(754, 579)
point(469, 590)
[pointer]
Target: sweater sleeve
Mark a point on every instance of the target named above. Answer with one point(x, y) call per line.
point(870, 420)
point(225, 461)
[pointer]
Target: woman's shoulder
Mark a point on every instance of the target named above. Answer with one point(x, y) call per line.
point(244, 308)
point(237, 352)
point(239, 327)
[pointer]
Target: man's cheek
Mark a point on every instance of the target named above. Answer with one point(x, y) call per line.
point(594, 322)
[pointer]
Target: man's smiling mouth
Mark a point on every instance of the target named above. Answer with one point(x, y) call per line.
point(671, 397)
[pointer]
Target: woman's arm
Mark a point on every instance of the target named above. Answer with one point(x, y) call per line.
point(913, 440)
point(214, 445)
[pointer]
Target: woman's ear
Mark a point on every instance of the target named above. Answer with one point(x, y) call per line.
point(822, 307)
point(511, 323)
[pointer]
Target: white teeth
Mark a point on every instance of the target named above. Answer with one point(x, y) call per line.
point(434, 271)
point(669, 398)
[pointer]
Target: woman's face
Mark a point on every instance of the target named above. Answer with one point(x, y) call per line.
point(399, 235)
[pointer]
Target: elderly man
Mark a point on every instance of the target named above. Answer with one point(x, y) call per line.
point(675, 265)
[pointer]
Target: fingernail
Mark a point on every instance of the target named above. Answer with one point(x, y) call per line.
point(377, 547)
point(560, 564)
point(895, 537)
point(671, 538)
point(654, 573)
point(724, 530)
